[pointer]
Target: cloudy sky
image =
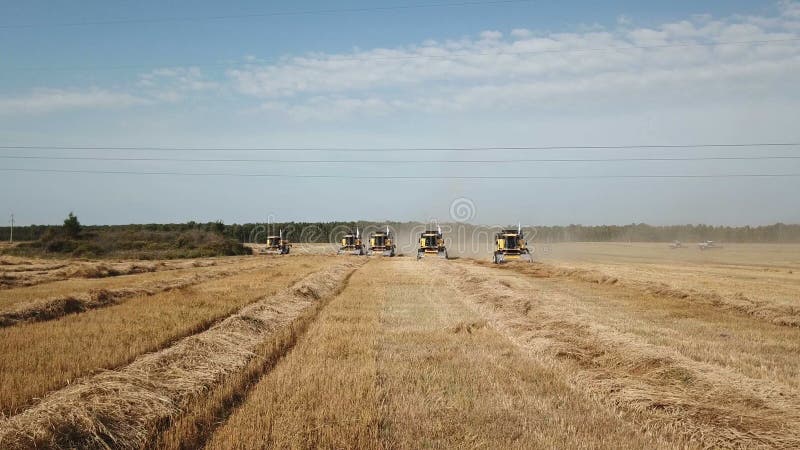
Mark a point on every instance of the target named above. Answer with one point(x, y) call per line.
point(145, 94)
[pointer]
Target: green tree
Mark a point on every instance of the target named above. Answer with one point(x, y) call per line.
point(71, 225)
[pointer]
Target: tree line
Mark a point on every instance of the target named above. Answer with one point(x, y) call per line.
point(776, 233)
point(321, 232)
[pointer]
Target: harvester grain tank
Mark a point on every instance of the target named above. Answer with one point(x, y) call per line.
point(277, 245)
point(510, 245)
point(431, 243)
point(382, 243)
point(351, 244)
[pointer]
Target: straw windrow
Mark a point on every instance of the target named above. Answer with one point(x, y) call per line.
point(124, 408)
point(652, 386)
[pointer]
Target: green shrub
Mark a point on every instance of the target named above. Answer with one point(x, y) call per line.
point(72, 227)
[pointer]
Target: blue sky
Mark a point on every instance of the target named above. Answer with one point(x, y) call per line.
point(492, 74)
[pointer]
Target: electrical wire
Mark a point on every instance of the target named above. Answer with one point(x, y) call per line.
point(400, 149)
point(403, 177)
point(378, 161)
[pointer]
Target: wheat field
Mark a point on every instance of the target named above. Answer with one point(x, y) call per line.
point(590, 346)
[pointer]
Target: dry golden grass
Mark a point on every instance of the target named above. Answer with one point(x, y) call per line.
point(77, 285)
point(300, 248)
point(21, 272)
point(778, 306)
point(775, 256)
point(37, 358)
point(398, 362)
point(53, 300)
point(125, 408)
point(758, 279)
point(624, 346)
point(202, 415)
point(713, 377)
point(323, 394)
point(703, 331)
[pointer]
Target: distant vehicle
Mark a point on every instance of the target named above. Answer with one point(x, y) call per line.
point(277, 245)
point(676, 244)
point(510, 245)
point(351, 245)
point(708, 245)
point(431, 242)
point(382, 243)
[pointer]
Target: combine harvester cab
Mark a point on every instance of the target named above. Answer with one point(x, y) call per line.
point(382, 243)
point(510, 245)
point(432, 243)
point(277, 245)
point(351, 245)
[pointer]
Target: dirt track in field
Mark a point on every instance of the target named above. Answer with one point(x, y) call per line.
point(457, 354)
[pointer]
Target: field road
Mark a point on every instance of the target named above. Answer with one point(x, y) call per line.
point(385, 353)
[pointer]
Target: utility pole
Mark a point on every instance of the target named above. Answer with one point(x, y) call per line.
point(11, 237)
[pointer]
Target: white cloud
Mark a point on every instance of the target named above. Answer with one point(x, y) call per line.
point(521, 33)
point(163, 85)
point(490, 71)
point(43, 101)
point(485, 71)
point(491, 35)
point(334, 108)
point(790, 9)
point(172, 84)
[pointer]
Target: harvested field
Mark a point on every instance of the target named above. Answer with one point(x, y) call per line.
point(633, 355)
point(21, 272)
point(40, 357)
point(577, 351)
point(395, 366)
point(758, 280)
point(53, 300)
point(130, 403)
point(300, 248)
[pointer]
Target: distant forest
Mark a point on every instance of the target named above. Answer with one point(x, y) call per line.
point(320, 232)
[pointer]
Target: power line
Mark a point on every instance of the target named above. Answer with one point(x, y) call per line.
point(378, 161)
point(412, 57)
point(265, 14)
point(398, 177)
point(398, 149)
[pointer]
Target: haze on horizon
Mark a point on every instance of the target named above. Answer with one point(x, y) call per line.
point(202, 75)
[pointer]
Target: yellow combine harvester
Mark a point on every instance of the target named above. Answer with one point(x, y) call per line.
point(511, 245)
point(277, 245)
point(351, 244)
point(381, 242)
point(432, 243)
